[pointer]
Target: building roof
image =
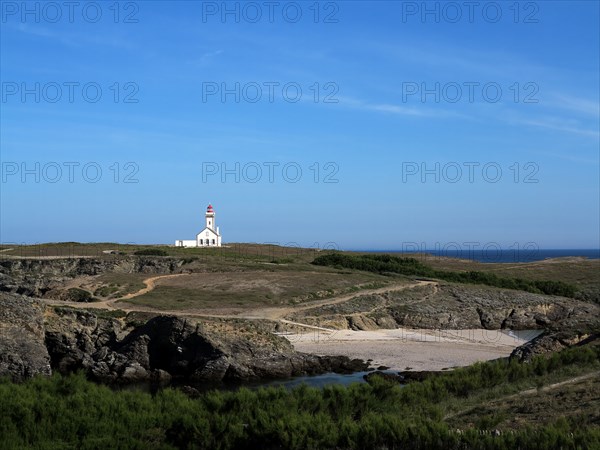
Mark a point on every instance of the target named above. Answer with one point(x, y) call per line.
point(203, 232)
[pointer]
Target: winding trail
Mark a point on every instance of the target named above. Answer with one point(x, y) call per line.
point(532, 391)
point(110, 304)
point(262, 313)
point(277, 313)
point(150, 285)
point(552, 386)
point(423, 349)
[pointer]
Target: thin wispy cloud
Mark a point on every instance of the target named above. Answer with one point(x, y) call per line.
point(209, 57)
point(571, 157)
point(403, 90)
point(72, 39)
point(557, 125)
point(400, 110)
point(513, 118)
point(579, 105)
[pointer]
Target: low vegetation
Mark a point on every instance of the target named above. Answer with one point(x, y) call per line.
point(412, 267)
point(268, 285)
point(232, 252)
point(102, 313)
point(70, 412)
point(79, 295)
point(151, 252)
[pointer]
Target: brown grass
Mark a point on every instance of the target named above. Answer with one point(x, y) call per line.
point(250, 289)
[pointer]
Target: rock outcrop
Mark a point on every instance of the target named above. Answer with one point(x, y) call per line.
point(35, 340)
point(551, 342)
point(23, 353)
point(35, 277)
point(450, 306)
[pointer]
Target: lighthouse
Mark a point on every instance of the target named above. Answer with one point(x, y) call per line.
point(210, 236)
point(210, 217)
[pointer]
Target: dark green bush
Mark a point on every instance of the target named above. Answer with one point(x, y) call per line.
point(384, 264)
point(151, 252)
point(70, 412)
point(79, 295)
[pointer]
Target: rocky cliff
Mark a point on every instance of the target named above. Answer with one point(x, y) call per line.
point(566, 322)
point(452, 306)
point(35, 277)
point(23, 352)
point(38, 340)
point(554, 341)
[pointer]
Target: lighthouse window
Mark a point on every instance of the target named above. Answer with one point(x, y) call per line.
point(201, 242)
point(213, 241)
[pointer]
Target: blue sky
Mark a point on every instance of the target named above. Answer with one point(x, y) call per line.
point(378, 132)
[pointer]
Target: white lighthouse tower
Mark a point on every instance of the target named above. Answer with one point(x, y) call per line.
point(210, 217)
point(210, 236)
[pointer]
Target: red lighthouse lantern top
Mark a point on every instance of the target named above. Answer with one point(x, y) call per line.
point(209, 209)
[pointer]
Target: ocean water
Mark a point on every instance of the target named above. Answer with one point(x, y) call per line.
point(497, 255)
point(320, 380)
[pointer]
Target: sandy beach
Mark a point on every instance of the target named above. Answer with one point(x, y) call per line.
point(402, 348)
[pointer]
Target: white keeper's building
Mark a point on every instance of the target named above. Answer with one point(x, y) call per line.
point(208, 237)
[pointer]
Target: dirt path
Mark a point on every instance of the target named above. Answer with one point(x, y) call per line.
point(268, 313)
point(278, 313)
point(553, 385)
point(110, 304)
point(311, 327)
point(532, 391)
point(36, 257)
point(344, 298)
point(398, 348)
point(150, 285)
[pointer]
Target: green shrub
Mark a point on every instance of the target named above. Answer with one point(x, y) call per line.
point(384, 264)
point(79, 295)
point(118, 420)
point(105, 291)
point(70, 412)
point(151, 252)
